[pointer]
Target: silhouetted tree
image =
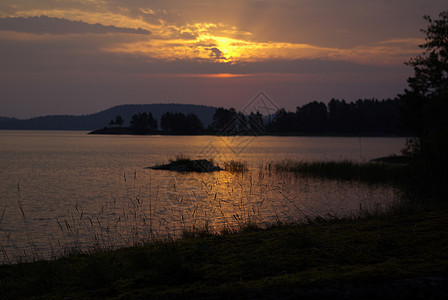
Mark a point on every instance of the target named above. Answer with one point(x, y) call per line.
point(255, 122)
point(117, 121)
point(339, 116)
point(193, 124)
point(425, 108)
point(167, 121)
point(179, 123)
point(283, 122)
point(241, 124)
point(225, 121)
point(143, 123)
point(312, 117)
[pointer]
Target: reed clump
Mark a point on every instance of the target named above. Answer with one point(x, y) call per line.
point(236, 166)
point(181, 158)
point(370, 172)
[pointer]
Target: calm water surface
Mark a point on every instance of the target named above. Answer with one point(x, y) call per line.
point(61, 190)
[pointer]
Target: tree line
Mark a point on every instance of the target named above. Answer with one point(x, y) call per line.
point(365, 116)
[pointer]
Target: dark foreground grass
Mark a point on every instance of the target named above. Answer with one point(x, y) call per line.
point(393, 255)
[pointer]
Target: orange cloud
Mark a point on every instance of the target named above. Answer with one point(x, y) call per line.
point(221, 49)
point(218, 42)
point(219, 75)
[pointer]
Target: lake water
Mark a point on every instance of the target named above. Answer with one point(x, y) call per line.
point(62, 190)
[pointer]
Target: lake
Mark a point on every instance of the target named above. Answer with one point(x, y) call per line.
point(69, 190)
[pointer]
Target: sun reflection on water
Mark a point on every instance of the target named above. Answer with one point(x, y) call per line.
point(230, 199)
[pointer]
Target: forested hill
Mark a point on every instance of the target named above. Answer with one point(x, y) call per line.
point(101, 119)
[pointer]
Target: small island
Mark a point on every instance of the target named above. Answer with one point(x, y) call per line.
point(183, 164)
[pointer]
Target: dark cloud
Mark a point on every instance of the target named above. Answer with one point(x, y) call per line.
point(44, 24)
point(216, 54)
point(187, 36)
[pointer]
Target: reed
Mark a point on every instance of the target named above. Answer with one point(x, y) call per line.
point(2, 248)
point(394, 174)
point(32, 247)
point(236, 166)
point(117, 224)
point(181, 159)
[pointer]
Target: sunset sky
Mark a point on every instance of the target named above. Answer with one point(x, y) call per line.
point(83, 56)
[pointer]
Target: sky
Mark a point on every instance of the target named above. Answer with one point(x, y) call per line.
point(84, 56)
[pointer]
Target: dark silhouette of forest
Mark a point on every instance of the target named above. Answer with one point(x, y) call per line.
point(369, 116)
point(338, 117)
point(179, 123)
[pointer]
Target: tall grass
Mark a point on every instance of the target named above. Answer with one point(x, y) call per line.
point(181, 159)
point(235, 166)
point(184, 163)
point(2, 248)
point(117, 223)
point(215, 206)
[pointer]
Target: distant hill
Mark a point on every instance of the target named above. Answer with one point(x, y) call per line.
point(102, 119)
point(6, 119)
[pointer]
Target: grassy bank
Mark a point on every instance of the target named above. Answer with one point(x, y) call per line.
point(285, 260)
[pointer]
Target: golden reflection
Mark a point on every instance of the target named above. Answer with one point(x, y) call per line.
point(259, 195)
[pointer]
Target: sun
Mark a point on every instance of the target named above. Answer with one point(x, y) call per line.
point(225, 50)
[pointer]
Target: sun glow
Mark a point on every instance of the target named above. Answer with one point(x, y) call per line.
point(219, 75)
point(219, 49)
point(214, 42)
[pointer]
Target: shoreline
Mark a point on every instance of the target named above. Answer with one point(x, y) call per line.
point(128, 131)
